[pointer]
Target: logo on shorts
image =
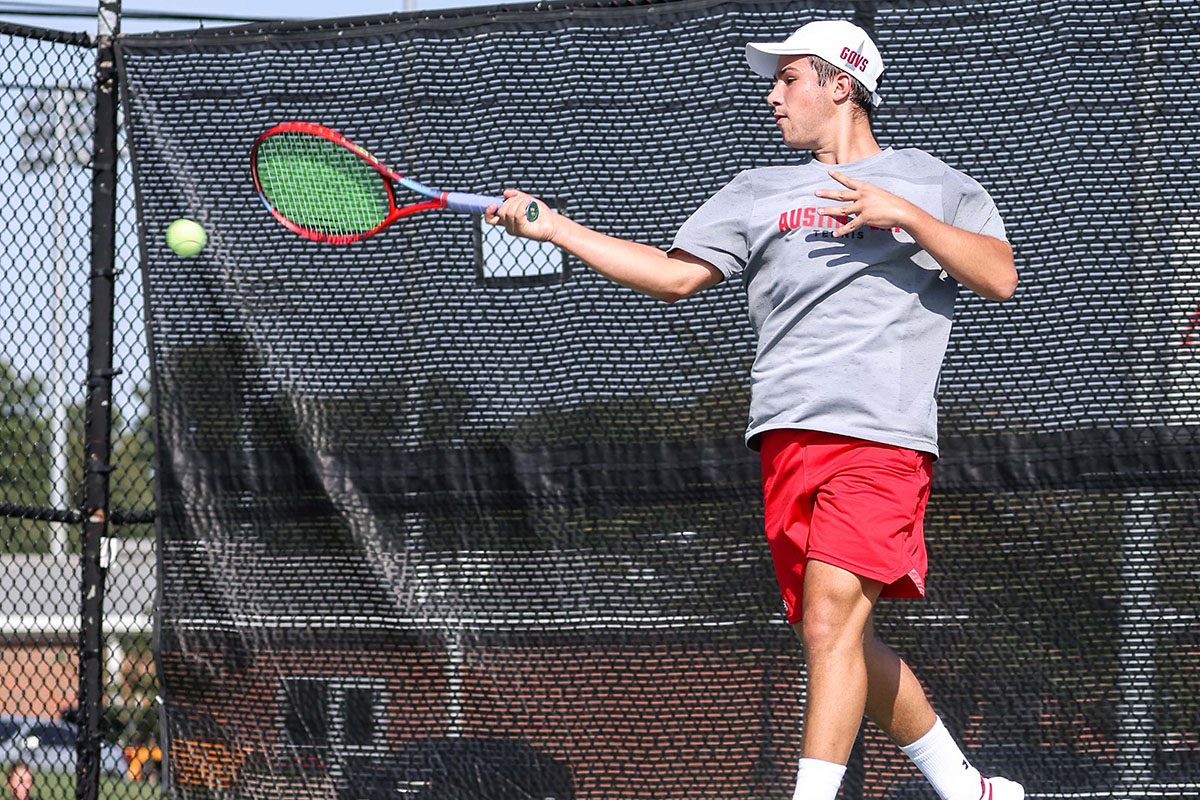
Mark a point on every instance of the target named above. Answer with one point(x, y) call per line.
point(917, 581)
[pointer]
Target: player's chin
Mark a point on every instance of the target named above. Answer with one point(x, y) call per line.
point(796, 141)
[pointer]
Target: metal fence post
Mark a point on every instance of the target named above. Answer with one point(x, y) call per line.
point(99, 407)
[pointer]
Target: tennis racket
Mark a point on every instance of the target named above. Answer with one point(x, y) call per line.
point(319, 184)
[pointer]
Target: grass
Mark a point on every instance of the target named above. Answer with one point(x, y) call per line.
point(61, 786)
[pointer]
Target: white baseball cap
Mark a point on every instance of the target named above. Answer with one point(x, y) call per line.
point(843, 44)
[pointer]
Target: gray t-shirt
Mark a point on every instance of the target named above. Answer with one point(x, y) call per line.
point(851, 331)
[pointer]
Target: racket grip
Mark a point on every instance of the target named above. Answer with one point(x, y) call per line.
point(478, 203)
point(472, 203)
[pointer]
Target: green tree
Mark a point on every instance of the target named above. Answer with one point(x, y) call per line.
point(132, 482)
point(24, 455)
point(26, 431)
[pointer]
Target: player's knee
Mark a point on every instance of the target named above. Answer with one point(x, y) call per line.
point(825, 628)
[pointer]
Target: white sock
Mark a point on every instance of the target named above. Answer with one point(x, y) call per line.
point(818, 780)
point(944, 765)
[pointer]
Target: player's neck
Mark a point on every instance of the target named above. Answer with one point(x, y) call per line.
point(850, 141)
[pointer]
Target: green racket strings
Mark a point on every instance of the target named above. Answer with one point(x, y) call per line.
point(320, 185)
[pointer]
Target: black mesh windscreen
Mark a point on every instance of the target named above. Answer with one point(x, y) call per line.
point(445, 515)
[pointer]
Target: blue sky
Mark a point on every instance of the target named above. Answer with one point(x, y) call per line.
point(266, 9)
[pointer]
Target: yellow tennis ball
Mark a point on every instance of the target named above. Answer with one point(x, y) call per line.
point(186, 237)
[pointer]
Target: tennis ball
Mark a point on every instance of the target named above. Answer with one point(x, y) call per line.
point(186, 237)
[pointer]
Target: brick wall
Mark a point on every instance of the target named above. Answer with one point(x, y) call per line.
point(38, 679)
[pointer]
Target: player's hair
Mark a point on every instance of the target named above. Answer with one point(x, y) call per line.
point(861, 96)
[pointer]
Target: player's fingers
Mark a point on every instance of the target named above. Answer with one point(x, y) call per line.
point(521, 215)
point(845, 180)
point(836, 194)
point(506, 207)
point(510, 213)
point(518, 204)
point(841, 211)
point(515, 217)
point(851, 226)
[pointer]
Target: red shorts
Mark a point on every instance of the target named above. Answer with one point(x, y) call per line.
point(851, 503)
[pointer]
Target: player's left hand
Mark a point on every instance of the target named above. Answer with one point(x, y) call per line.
point(867, 204)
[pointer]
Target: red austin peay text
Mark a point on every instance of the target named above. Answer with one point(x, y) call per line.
point(809, 218)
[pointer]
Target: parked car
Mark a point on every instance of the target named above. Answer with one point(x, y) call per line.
point(9, 725)
point(49, 745)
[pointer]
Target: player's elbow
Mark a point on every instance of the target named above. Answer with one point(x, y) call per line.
point(1003, 283)
point(678, 291)
point(674, 294)
point(1009, 289)
point(687, 278)
point(1005, 287)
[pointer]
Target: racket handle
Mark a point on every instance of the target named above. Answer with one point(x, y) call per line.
point(472, 203)
point(478, 203)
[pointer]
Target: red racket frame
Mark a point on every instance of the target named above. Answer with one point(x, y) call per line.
point(390, 178)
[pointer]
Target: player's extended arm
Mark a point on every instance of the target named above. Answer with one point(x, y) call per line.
point(983, 264)
point(665, 276)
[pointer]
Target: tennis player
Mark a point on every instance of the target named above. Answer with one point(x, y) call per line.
point(851, 258)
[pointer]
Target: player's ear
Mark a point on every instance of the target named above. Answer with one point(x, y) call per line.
point(842, 87)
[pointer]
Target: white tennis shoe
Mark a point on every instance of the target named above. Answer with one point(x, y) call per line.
point(1000, 789)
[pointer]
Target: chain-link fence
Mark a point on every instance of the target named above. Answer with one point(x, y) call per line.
point(47, 103)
